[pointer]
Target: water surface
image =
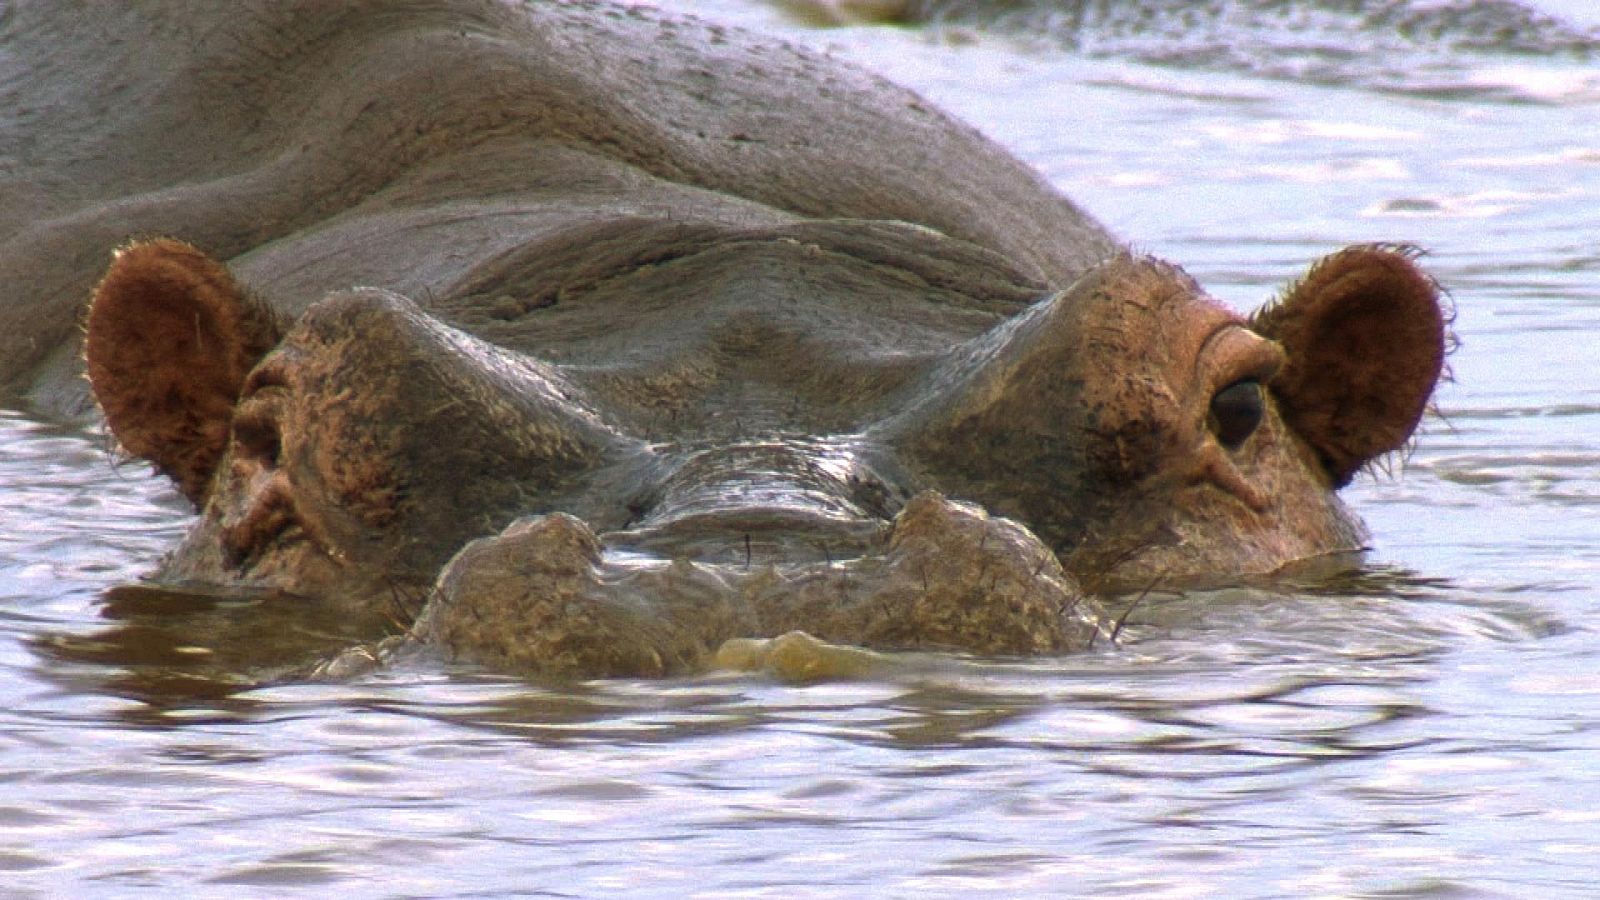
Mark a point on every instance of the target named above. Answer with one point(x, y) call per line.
point(1429, 726)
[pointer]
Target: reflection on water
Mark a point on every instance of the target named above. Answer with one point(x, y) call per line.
point(173, 648)
point(1426, 726)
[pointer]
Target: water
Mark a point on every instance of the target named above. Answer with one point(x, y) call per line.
point(1428, 727)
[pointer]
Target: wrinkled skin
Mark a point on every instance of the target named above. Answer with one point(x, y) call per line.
point(670, 338)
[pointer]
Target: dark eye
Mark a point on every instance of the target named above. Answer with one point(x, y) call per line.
point(1236, 411)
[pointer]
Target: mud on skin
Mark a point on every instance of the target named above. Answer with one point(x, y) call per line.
point(608, 364)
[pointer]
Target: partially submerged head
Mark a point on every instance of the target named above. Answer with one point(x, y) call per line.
point(1131, 428)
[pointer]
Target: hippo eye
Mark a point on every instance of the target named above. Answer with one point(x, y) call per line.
point(1236, 411)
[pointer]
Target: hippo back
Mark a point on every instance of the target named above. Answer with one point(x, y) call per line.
point(466, 153)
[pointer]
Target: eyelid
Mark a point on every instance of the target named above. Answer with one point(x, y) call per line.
point(271, 374)
point(1234, 354)
point(257, 435)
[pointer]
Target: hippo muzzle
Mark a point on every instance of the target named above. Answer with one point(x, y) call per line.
point(546, 596)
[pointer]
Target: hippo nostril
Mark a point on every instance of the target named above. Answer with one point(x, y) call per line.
point(780, 495)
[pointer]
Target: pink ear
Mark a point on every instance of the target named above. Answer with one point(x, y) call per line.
point(1365, 337)
point(171, 337)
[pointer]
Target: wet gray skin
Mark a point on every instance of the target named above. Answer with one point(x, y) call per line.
point(660, 365)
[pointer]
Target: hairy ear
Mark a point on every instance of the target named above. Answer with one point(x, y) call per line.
point(1365, 336)
point(171, 337)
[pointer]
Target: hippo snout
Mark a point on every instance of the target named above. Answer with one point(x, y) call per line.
point(544, 596)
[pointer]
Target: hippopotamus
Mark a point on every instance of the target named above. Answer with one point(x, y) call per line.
point(592, 338)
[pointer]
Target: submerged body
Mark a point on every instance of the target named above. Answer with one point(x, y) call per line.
point(613, 338)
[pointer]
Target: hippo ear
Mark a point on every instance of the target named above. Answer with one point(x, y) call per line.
point(1365, 337)
point(171, 337)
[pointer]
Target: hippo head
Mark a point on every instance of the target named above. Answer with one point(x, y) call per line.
point(760, 436)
